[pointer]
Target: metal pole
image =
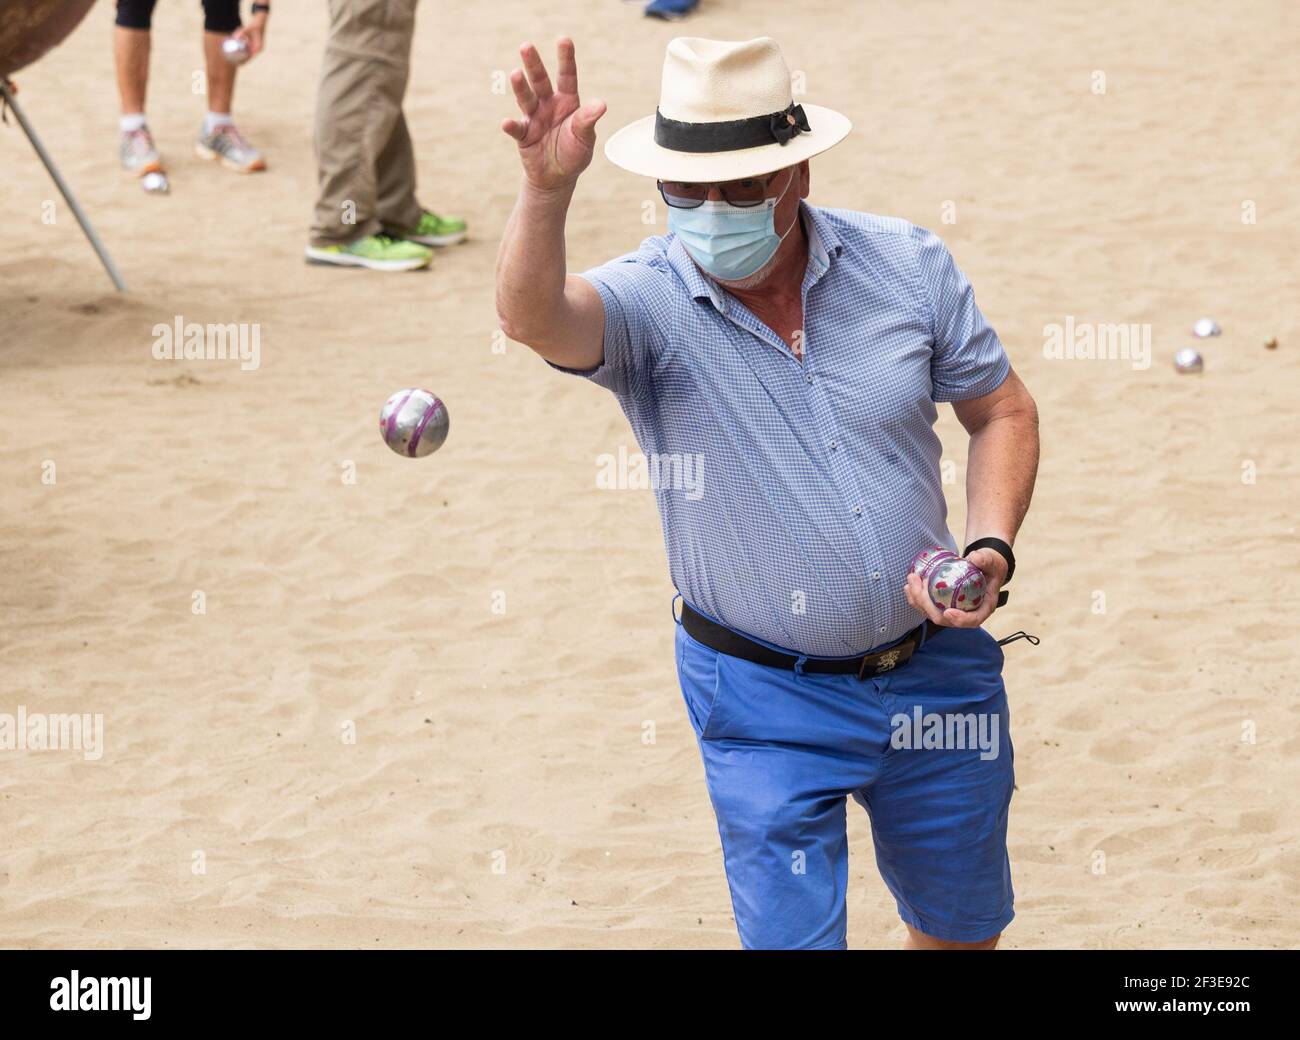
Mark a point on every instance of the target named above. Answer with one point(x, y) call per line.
point(62, 185)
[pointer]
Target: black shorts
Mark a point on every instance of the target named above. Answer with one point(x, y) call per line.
point(219, 16)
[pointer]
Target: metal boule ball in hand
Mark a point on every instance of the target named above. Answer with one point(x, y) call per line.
point(950, 580)
point(414, 423)
point(235, 50)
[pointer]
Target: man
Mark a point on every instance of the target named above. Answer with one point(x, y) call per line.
point(799, 352)
point(366, 210)
point(219, 139)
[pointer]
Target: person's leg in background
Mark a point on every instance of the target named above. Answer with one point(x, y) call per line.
point(136, 150)
point(358, 111)
point(219, 138)
point(401, 213)
point(391, 151)
point(395, 202)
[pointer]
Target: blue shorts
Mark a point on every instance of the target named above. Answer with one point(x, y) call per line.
point(925, 749)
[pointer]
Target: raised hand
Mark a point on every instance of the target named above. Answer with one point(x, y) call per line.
point(557, 134)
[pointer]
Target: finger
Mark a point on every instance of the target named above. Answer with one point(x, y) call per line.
point(516, 128)
point(969, 618)
point(524, 95)
point(954, 618)
point(584, 121)
point(991, 587)
point(989, 561)
point(989, 603)
point(915, 593)
point(566, 74)
point(537, 76)
point(919, 597)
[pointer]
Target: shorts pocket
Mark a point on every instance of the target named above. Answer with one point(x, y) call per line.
point(697, 671)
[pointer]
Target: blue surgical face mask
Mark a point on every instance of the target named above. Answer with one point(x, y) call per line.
point(730, 242)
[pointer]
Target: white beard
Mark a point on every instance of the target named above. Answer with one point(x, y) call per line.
point(755, 279)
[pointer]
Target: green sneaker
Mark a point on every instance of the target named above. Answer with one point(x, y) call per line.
point(433, 230)
point(377, 252)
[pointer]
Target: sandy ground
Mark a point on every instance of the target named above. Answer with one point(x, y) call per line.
point(499, 791)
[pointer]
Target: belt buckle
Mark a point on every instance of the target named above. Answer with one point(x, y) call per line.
point(887, 660)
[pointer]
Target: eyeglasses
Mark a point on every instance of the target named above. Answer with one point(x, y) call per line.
point(748, 191)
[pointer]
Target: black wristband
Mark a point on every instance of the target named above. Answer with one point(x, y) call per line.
point(259, 8)
point(998, 546)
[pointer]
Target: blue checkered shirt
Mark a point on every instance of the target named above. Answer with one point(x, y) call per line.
point(812, 485)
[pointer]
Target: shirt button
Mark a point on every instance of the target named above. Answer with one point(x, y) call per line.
point(875, 575)
point(857, 510)
point(808, 376)
point(882, 628)
point(834, 445)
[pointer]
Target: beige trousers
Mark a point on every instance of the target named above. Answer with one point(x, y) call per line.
point(364, 156)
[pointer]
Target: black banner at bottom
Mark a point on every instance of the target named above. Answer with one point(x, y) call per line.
point(346, 988)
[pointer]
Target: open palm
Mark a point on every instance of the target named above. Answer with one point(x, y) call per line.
point(557, 134)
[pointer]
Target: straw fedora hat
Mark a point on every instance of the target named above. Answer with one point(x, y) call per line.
point(725, 112)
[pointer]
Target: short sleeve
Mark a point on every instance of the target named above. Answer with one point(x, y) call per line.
point(969, 359)
point(627, 288)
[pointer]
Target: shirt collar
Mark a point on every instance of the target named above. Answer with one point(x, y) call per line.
point(823, 246)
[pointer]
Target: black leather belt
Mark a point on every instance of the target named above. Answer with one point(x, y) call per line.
point(725, 641)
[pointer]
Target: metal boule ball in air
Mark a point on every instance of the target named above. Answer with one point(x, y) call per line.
point(950, 580)
point(1188, 361)
point(235, 50)
point(1206, 327)
point(414, 423)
